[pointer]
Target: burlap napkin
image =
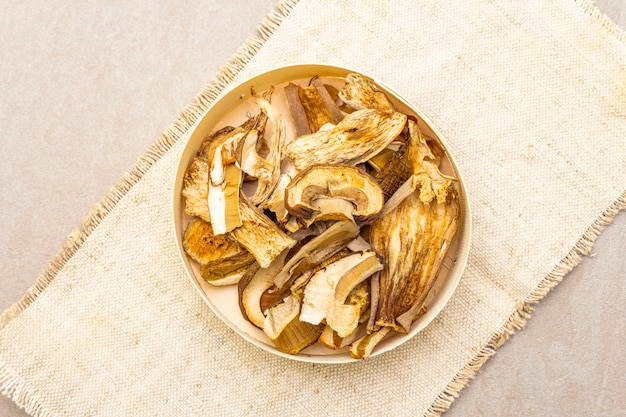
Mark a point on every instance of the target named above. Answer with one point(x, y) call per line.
point(531, 96)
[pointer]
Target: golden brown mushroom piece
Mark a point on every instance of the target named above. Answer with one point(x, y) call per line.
point(355, 139)
point(334, 192)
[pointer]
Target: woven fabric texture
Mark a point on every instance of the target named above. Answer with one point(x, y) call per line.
point(531, 97)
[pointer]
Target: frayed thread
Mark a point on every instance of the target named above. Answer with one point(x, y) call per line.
point(524, 309)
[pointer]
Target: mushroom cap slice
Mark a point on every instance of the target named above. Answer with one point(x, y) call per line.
point(334, 192)
point(320, 293)
point(358, 137)
point(361, 92)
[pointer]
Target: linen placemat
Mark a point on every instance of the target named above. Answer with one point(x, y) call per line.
point(531, 97)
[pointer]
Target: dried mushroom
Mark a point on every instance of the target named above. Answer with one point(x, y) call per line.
point(259, 234)
point(334, 192)
point(358, 137)
point(222, 261)
point(335, 235)
point(359, 92)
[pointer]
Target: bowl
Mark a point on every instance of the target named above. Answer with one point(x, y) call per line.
point(232, 108)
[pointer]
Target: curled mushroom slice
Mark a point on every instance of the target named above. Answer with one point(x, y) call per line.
point(252, 288)
point(342, 316)
point(358, 137)
point(343, 230)
point(360, 92)
point(320, 298)
point(334, 192)
point(286, 331)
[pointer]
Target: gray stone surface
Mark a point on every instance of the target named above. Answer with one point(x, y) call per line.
point(86, 88)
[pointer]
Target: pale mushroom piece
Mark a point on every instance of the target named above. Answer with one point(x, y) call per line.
point(358, 137)
point(319, 294)
point(250, 295)
point(334, 192)
point(344, 317)
point(342, 230)
point(360, 92)
point(363, 347)
point(279, 316)
point(223, 199)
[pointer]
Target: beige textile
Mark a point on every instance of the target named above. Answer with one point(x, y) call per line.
point(531, 96)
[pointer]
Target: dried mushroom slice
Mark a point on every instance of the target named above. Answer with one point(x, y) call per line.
point(251, 290)
point(227, 271)
point(360, 92)
point(286, 331)
point(203, 246)
point(261, 154)
point(429, 182)
point(196, 180)
point(334, 192)
point(358, 137)
point(343, 230)
point(413, 239)
point(319, 295)
point(260, 235)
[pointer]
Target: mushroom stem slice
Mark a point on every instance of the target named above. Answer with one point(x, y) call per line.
point(413, 239)
point(298, 113)
point(362, 348)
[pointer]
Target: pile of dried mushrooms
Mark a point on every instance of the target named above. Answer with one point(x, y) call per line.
point(333, 236)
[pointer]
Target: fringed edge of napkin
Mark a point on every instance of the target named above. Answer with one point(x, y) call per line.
point(525, 308)
point(185, 120)
point(517, 320)
point(190, 114)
